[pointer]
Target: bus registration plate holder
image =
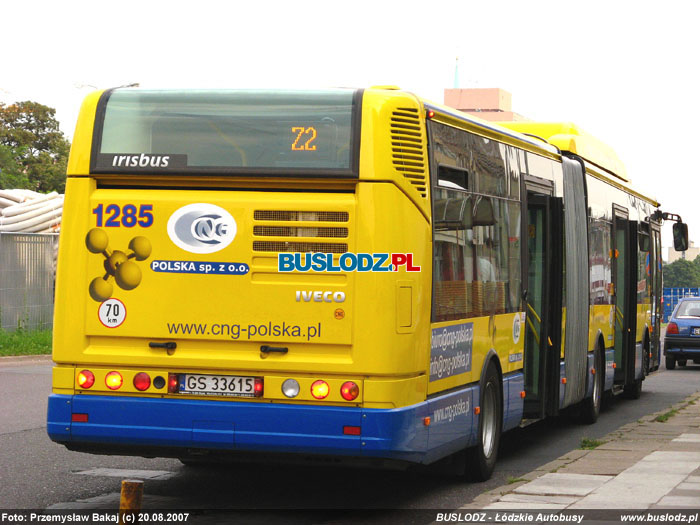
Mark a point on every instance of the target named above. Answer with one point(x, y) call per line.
point(216, 385)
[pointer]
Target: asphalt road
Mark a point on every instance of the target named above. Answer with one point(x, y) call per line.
point(37, 473)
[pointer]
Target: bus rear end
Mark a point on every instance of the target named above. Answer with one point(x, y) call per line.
point(241, 272)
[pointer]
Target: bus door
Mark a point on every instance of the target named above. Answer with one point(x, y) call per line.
point(625, 292)
point(542, 298)
point(656, 296)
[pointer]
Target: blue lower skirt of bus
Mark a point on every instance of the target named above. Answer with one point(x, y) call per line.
point(402, 434)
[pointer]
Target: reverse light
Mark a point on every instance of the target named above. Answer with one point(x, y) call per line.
point(349, 391)
point(672, 328)
point(290, 388)
point(114, 380)
point(320, 389)
point(142, 381)
point(173, 384)
point(86, 379)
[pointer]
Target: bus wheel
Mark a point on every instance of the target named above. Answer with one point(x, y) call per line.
point(591, 406)
point(481, 459)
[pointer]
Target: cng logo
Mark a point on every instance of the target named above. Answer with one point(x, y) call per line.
point(201, 228)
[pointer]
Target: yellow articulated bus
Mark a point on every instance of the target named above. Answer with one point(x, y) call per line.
point(356, 274)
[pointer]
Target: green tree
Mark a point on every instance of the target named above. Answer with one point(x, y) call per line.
point(38, 148)
point(682, 273)
point(11, 173)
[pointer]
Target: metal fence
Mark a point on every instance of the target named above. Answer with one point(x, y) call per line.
point(673, 295)
point(27, 276)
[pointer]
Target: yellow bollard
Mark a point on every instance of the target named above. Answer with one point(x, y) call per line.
point(130, 501)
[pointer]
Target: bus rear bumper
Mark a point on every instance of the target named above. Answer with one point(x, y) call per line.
point(90, 422)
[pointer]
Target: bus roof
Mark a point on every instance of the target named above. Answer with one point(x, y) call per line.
point(569, 137)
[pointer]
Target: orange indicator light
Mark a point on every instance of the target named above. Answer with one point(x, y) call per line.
point(114, 380)
point(563, 380)
point(477, 410)
point(86, 379)
point(320, 389)
point(426, 421)
point(522, 394)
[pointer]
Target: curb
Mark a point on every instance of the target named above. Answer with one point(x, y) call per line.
point(623, 433)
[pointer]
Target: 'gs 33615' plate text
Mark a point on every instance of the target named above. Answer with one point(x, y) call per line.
point(211, 385)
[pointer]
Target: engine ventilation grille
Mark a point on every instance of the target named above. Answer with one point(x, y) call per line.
point(407, 147)
point(307, 216)
point(300, 247)
point(299, 230)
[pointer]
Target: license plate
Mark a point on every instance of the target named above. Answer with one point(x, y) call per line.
point(696, 331)
point(211, 385)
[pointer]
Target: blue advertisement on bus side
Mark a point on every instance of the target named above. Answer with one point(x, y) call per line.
point(451, 350)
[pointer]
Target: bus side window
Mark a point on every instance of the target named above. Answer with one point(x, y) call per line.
point(451, 177)
point(476, 255)
point(452, 272)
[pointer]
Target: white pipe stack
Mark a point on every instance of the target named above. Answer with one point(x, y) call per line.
point(26, 211)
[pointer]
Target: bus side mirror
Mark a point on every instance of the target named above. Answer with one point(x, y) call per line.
point(680, 236)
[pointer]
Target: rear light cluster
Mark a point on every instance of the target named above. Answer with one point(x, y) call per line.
point(114, 380)
point(672, 328)
point(320, 389)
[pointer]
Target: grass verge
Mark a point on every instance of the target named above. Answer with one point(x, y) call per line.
point(512, 480)
point(666, 415)
point(590, 444)
point(25, 343)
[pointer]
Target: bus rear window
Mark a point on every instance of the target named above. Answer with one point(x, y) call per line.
point(258, 132)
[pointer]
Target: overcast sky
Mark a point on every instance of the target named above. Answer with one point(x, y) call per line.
point(625, 72)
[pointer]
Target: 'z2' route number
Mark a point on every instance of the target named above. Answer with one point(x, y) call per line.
point(305, 137)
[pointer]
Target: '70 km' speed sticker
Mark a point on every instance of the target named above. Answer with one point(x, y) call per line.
point(112, 313)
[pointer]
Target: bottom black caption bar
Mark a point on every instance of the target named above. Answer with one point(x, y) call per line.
point(341, 516)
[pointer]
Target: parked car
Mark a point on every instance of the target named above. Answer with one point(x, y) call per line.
point(682, 340)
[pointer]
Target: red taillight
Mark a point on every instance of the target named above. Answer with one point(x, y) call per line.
point(142, 381)
point(349, 391)
point(114, 380)
point(173, 384)
point(86, 379)
point(258, 389)
point(79, 418)
point(672, 328)
point(320, 389)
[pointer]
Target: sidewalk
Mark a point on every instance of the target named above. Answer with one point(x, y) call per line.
point(21, 360)
point(647, 464)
